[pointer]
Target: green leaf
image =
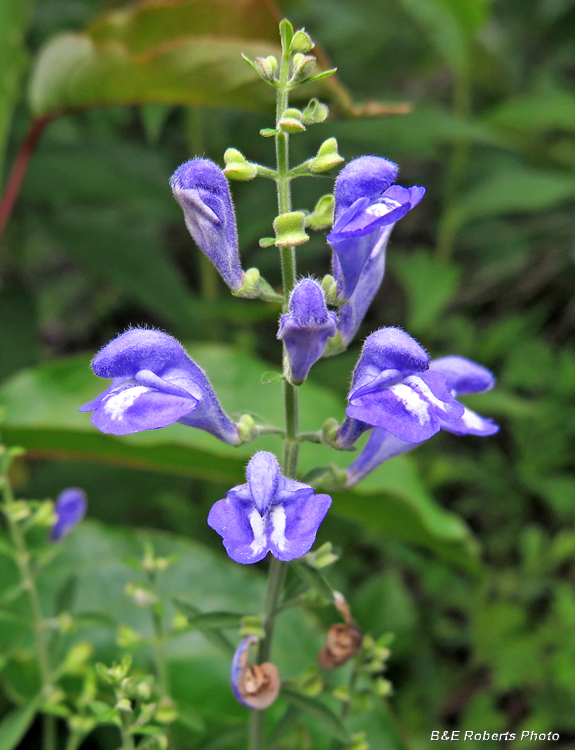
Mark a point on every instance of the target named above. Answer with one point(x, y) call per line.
point(185, 52)
point(16, 723)
point(321, 714)
point(67, 594)
point(314, 580)
point(212, 634)
point(215, 621)
point(429, 285)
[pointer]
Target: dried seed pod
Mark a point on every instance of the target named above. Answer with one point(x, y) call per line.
point(343, 642)
point(254, 685)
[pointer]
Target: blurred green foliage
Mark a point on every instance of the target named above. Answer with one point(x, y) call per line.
point(484, 268)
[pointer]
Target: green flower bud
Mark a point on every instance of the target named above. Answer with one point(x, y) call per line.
point(327, 157)
point(142, 597)
point(76, 658)
point(290, 121)
point(315, 112)
point(166, 711)
point(267, 67)
point(302, 67)
point(301, 42)
point(290, 229)
point(247, 428)
point(124, 705)
point(238, 167)
point(127, 637)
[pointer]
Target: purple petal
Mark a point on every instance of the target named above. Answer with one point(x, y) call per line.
point(70, 508)
point(138, 408)
point(242, 528)
point(432, 387)
point(140, 349)
point(263, 473)
point(462, 375)
point(366, 176)
point(93, 405)
point(471, 424)
point(350, 257)
point(378, 214)
point(238, 663)
point(293, 525)
point(201, 189)
point(380, 447)
point(352, 314)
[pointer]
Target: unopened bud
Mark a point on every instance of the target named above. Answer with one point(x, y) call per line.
point(290, 229)
point(301, 42)
point(314, 113)
point(291, 121)
point(327, 157)
point(238, 167)
point(166, 711)
point(124, 705)
point(127, 637)
point(267, 67)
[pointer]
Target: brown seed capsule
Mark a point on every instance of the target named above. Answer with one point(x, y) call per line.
point(343, 642)
point(254, 685)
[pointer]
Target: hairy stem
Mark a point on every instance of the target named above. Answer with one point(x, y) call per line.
point(22, 557)
point(277, 569)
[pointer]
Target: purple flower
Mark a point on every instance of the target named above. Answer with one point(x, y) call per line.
point(351, 315)
point(306, 328)
point(461, 376)
point(365, 201)
point(70, 508)
point(254, 685)
point(155, 384)
point(394, 388)
point(201, 189)
point(268, 514)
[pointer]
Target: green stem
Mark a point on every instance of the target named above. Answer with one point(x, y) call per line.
point(127, 736)
point(74, 740)
point(28, 583)
point(277, 569)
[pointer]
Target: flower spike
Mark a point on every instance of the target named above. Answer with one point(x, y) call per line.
point(201, 189)
point(365, 202)
point(270, 513)
point(155, 384)
point(70, 509)
point(306, 328)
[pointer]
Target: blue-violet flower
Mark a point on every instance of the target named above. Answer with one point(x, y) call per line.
point(365, 201)
point(201, 189)
point(155, 384)
point(70, 509)
point(306, 328)
point(269, 513)
point(461, 376)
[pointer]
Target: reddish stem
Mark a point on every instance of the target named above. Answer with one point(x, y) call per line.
point(19, 170)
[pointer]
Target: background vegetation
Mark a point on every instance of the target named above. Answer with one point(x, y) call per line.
point(464, 549)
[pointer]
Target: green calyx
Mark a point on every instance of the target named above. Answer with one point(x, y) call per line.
point(322, 215)
point(314, 113)
point(302, 67)
point(256, 287)
point(326, 157)
point(301, 42)
point(291, 121)
point(290, 229)
point(238, 167)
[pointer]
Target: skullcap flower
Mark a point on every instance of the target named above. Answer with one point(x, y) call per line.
point(365, 202)
point(306, 328)
point(201, 189)
point(270, 513)
point(70, 509)
point(461, 376)
point(155, 384)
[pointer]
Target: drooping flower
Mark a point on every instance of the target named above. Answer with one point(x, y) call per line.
point(461, 376)
point(393, 388)
point(306, 328)
point(70, 509)
point(201, 189)
point(270, 513)
point(365, 202)
point(155, 384)
point(254, 685)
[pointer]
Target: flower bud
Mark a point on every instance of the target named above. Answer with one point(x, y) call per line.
point(291, 121)
point(306, 328)
point(290, 229)
point(301, 42)
point(302, 67)
point(314, 113)
point(326, 158)
point(255, 685)
point(267, 67)
point(238, 167)
point(70, 508)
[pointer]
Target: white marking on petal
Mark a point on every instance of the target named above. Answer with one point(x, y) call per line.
point(382, 209)
point(258, 529)
point(117, 403)
point(412, 401)
point(472, 420)
point(425, 391)
point(278, 516)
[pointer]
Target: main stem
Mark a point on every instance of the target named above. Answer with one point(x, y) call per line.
point(277, 569)
point(29, 584)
